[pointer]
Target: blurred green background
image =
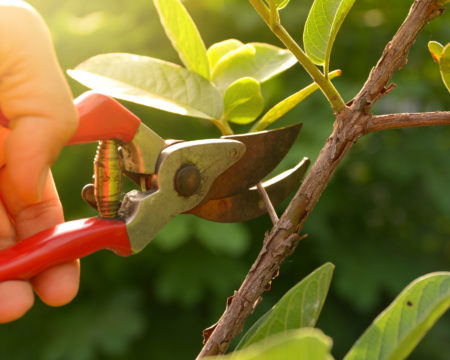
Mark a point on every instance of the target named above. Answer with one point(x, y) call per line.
point(383, 220)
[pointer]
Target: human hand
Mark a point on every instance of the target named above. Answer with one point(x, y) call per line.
point(35, 98)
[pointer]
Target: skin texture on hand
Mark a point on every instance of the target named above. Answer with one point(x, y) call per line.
point(35, 97)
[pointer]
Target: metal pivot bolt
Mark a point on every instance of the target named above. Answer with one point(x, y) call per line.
point(187, 180)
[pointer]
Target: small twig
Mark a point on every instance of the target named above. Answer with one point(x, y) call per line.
point(267, 203)
point(405, 120)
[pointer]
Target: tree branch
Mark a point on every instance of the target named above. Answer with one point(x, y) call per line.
point(405, 120)
point(395, 54)
point(352, 122)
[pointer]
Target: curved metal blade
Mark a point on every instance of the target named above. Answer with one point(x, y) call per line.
point(264, 151)
point(248, 204)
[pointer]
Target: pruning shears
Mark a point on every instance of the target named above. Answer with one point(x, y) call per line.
point(214, 179)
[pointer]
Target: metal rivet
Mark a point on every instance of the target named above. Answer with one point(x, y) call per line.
point(187, 180)
point(234, 154)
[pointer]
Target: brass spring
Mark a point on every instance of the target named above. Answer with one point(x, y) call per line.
point(107, 179)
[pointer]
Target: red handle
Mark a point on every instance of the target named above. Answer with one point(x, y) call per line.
point(101, 118)
point(61, 243)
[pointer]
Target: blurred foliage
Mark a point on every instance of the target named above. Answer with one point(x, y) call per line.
point(383, 220)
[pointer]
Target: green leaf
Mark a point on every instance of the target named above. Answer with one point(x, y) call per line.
point(280, 4)
point(256, 60)
point(398, 329)
point(444, 64)
point(299, 307)
point(309, 344)
point(243, 101)
point(151, 82)
point(435, 50)
point(321, 27)
point(218, 50)
point(184, 35)
point(288, 104)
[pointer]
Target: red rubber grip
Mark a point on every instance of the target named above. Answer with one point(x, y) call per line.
point(101, 118)
point(61, 243)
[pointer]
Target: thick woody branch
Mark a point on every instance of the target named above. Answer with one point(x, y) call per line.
point(405, 120)
point(352, 122)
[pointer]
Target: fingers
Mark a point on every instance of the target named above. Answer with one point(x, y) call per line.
point(28, 156)
point(58, 285)
point(4, 133)
point(36, 99)
point(16, 298)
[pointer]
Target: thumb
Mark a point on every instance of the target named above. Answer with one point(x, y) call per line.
point(36, 99)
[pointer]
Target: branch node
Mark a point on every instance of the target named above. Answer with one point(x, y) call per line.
point(388, 89)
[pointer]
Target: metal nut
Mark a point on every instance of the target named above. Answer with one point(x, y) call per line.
point(187, 180)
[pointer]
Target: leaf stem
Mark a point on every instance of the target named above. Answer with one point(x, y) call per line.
point(274, 14)
point(288, 104)
point(324, 83)
point(326, 67)
point(223, 126)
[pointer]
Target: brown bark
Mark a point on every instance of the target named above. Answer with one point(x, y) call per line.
point(351, 123)
point(404, 120)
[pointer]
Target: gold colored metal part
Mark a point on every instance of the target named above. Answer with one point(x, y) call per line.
point(107, 179)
